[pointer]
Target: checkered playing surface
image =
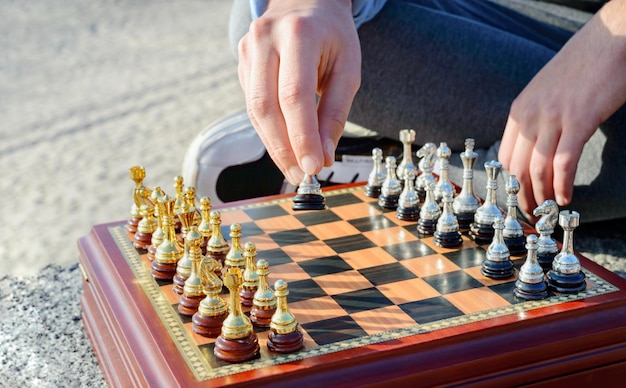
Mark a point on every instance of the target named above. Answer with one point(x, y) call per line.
point(356, 275)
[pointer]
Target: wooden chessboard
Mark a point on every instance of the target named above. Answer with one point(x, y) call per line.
point(376, 303)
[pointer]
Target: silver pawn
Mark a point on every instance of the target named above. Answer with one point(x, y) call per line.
point(408, 202)
point(466, 203)
point(429, 213)
point(566, 274)
point(498, 264)
point(530, 284)
point(377, 175)
point(391, 189)
point(513, 230)
point(447, 233)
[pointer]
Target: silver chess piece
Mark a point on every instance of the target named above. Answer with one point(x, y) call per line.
point(429, 213)
point(377, 175)
point(513, 230)
point(547, 247)
point(408, 202)
point(481, 229)
point(466, 203)
point(566, 274)
point(309, 195)
point(443, 184)
point(447, 232)
point(498, 264)
point(426, 166)
point(391, 189)
point(530, 284)
point(407, 137)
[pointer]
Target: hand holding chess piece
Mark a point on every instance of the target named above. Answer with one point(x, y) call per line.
point(237, 341)
point(309, 195)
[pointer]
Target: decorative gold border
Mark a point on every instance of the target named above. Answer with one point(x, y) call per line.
point(203, 371)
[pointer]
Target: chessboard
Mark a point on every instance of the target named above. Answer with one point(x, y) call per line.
point(376, 302)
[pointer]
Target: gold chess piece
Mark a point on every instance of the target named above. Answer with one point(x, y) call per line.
point(205, 221)
point(264, 301)
point(168, 252)
point(212, 311)
point(137, 174)
point(193, 291)
point(185, 264)
point(235, 256)
point(217, 246)
point(237, 341)
point(148, 223)
point(250, 276)
point(158, 235)
point(284, 336)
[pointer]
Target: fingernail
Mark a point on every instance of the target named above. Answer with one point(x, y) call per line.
point(309, 165)
point(295, 175)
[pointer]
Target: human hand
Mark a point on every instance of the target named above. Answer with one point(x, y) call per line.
point(295, 50)
point(560, 109)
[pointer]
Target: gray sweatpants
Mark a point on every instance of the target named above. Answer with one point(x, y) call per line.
point(450, 70)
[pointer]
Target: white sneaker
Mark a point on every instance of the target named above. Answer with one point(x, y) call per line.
point(228, 162)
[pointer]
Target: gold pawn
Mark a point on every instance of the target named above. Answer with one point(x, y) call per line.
point(264, 301)
point(250, 276)
point(158, 235)
point(205, 223)
point(283, 320)
point(235, 256)
point(217, 246)
point(193, 292)
point(180, 197)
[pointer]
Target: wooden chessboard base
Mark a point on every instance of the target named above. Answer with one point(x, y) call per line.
point(579, 341)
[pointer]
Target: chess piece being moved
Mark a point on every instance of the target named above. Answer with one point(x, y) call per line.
point(466, 203)
point(284, 336)
point(137, 174)
point(391, 189)
point(429, 213)
point(447, 233)
point(566, 274)
point(185, 264)
point(407, 137)
point(158, 234)
point(547, 247)
point(217, 247)
point(168, 252)
point(377, 175)
point(481, 230)
point(212, 311)
point(193, 291)
point(264, 301)
point(530, 283)
point(443, 185)
point(309, 195)
point(237, 341)
point(426, 166)
point(408, 202)
point(498, 264)
point(250, 275)
point(513, 232)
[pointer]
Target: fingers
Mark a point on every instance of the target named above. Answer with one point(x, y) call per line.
point(565, 163)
